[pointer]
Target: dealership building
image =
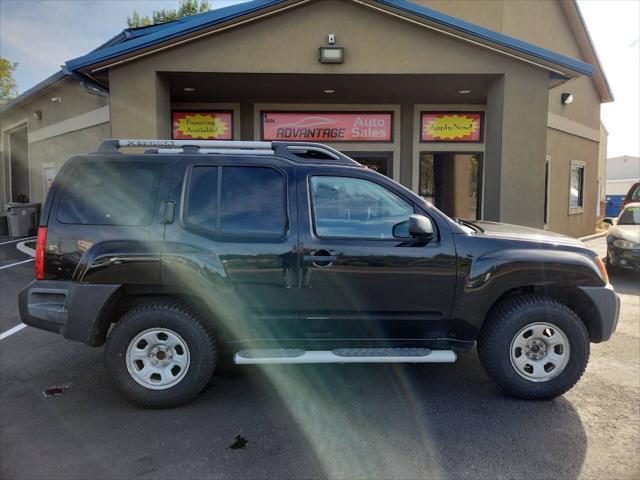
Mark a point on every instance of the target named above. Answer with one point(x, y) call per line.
point(489, 109)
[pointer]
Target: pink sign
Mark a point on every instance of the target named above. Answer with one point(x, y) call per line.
point(328, 126)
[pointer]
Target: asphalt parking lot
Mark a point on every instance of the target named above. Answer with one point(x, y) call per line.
point(354, 421)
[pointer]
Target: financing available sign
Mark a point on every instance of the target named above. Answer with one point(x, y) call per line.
point(328, 126)
point(211, 125)
point(451, 127)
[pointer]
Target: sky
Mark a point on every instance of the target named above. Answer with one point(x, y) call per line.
point(42, 34)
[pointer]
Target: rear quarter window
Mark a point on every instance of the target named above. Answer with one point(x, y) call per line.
point(110, 194)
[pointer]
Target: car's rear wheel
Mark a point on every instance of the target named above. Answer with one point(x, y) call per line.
point(533, 347)
point(160, 355)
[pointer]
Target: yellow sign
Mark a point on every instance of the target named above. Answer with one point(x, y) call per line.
point(441, 127)
point(205, 125)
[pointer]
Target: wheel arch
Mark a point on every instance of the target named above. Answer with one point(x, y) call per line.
point(128, 298)
point(571, 296)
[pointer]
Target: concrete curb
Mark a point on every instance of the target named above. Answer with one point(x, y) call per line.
point(592, 236)
point(26, 250)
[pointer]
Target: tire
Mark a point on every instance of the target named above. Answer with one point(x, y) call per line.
point(504, 347)
point(179, 373)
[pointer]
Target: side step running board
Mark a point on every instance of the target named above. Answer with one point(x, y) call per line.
point(344, 355)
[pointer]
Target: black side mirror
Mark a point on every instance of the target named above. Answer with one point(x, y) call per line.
point(608, 220)
point(420, 226)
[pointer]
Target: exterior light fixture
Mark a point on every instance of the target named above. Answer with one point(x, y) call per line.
point(329, 91)
point(189, 89)
point(56, 100)
point(37, 115)
point(331, 54)
point(464, 91)
point(566, 98)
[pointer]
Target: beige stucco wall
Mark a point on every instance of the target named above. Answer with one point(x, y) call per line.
point(516, 113)
point(562, 149)
point(374, 43)
point(585, 108)
point(57, 150)
point(289, 44)
point(67, 117)
point(541, 22)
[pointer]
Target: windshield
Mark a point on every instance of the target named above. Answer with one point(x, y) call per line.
point(635, 197)
point(630, 216)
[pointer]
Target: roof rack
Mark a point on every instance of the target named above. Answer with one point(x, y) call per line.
point(114, 145)
point(297, 151)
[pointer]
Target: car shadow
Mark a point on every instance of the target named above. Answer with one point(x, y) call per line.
point(416, 421)
point(288, 421)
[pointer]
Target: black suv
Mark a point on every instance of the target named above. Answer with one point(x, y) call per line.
point(294, 253)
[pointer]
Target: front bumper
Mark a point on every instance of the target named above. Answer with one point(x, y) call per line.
point(74, 310)
point(624, 258)
point(605, 304)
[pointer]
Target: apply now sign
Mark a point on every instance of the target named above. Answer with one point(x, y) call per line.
point(451, 127)
point(328, 126)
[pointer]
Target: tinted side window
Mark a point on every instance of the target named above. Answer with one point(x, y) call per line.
point(252, 201)
point(201, 201)
point(356, 208)
point(110, 194)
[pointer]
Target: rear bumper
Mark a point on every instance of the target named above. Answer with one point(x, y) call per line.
point(73, 310)
point(607, 309)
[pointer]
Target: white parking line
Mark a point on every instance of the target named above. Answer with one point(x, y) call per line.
point(17, 263)
point(26, 250)
point(11, 331)
point(17, 240)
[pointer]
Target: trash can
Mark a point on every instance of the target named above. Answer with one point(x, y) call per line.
point(22, 218)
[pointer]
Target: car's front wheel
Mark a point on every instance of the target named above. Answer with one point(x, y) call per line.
point(533, 347)
point(160, 355)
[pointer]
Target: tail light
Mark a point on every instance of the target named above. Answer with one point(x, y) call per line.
point(41, 241)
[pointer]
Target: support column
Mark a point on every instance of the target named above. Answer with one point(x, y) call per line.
point(406, 145)
point(140, 104)
point(516, 144)
point(246, 121)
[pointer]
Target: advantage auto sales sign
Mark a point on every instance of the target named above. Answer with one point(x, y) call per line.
point(328, 126)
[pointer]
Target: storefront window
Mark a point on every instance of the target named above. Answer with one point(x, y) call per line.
point(576, 188)
point(380, 162)
point(452, 182)
point(427, 186)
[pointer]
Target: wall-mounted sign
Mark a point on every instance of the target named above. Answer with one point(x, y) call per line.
point(328, 126)
point(451, 127)
point(210, 125)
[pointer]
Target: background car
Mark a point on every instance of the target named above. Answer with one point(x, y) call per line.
point(623, 239)
point(632, 196)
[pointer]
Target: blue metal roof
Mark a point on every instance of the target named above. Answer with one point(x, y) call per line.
point(133, 40)
point(167, 31)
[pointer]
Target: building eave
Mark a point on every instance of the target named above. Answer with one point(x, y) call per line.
point(197, 26)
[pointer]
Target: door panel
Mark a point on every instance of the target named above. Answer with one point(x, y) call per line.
point(370, 287)
point(232, 251)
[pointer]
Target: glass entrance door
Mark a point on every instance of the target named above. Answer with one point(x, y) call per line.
point(452, 182)
point(381, 162)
